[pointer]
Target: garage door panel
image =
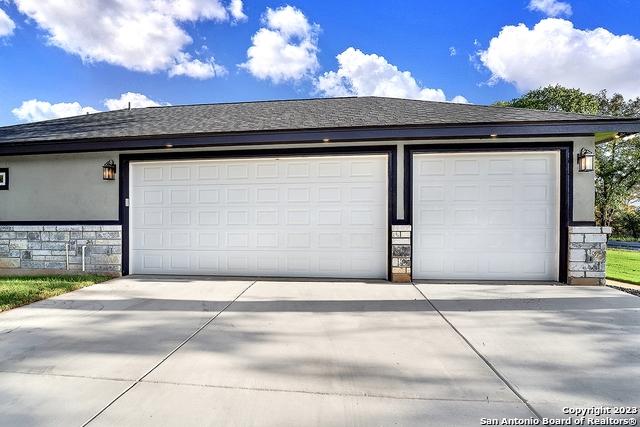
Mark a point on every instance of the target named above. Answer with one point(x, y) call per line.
point(301, 171)
point(343, 218)
point(501, 216)
point(472, 266)
point(486, 216)
point(199, 195)
point(305, 217)
point(339, 264)
point(429, 263)
point(255, 239)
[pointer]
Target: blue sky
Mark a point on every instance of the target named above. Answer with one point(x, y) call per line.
point(70, 59)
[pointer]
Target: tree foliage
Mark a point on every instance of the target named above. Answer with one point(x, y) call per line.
point(556, 98)
point(617, 160)
point(628, 223)
point(617, 178)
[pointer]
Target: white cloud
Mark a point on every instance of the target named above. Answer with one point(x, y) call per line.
point(188, 10)
point(361, 74)
point(137, 100)
point(34, 110)
point(459, 99)
point(235, 10)
point(6, 24)
point(554, 52)
point(195, 68)
point(551, 7)
point(285, 49)
point(141, 35)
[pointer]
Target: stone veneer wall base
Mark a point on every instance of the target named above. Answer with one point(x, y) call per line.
point(587, 255)
point(44, 249)
point(401, 253)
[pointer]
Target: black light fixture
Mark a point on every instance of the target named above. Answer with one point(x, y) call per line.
point(585, 160)
point(109, 171)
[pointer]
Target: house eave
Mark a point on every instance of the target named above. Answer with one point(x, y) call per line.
point(405, 133)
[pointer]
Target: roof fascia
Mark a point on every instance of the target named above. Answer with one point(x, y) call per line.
point(495, 130)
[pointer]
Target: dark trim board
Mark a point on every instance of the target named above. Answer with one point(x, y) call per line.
point(326, 150)
point(123, 210)
point(392, 199)
point(566, 181)
point(386, 133)
point(65, 222)
point(582, 223)
point(566, 209)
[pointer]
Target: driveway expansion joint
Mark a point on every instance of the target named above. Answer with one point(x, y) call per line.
point(178, 347)
point(53, 374)
point(482, 357)
point(326, 393)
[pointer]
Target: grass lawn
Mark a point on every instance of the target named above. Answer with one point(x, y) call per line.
point(17, 290)
point(623, 265)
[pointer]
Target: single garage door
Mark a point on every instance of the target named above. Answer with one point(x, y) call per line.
point(297, 217)
point(486, 216)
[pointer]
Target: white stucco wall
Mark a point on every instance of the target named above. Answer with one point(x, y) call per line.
point(70, 186)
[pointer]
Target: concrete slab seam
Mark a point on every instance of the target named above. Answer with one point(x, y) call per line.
point(50, 374)
point(320, 393)
point(178, 347)
point(481, 356)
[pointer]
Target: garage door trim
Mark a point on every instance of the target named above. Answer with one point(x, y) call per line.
point(125, 160)
point(565, 150)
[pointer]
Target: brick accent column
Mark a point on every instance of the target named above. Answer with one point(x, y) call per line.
point(38, 249)
point(401, 253)
point(587, 255)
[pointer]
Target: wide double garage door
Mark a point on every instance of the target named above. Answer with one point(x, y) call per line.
point(305, 217)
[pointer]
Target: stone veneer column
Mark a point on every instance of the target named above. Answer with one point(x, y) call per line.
point(401, 253)
point(587, 255)
point(39, 249)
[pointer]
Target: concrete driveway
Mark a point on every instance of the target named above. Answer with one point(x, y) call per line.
point(190, 351)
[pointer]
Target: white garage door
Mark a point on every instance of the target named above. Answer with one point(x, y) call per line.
point(308, 216)
point(486, 216)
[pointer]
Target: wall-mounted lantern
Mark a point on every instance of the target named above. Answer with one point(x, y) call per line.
point(109, 171)
point(585, 160)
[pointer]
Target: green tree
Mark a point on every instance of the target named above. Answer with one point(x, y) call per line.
point(617, 161)
point(629, 223)
point(617, 178)
point(557, 98)
point(618, 106)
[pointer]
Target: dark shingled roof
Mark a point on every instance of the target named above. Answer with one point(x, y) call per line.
point(265, 116)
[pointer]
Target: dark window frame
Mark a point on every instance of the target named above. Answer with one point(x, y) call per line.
point(5, 186)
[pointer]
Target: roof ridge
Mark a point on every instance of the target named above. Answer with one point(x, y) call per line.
point(497, 107)
point(295, 100)
point(258, 101)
